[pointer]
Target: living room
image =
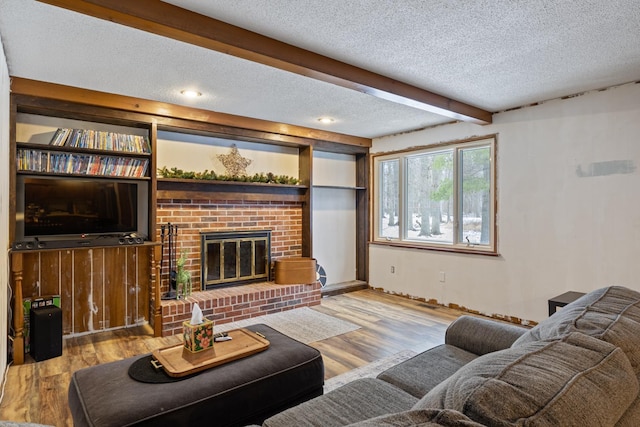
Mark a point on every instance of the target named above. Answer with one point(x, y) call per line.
point(566, 219)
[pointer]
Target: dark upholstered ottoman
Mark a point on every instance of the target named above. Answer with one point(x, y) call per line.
point(245, 391)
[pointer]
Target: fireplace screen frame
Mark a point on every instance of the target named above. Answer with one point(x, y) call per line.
point(215, 247)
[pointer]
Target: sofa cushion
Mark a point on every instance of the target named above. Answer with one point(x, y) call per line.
point(418, 375)
point(578, 380)
point(422, 418)
point(632, 416)
point(611, 314)
point(353, 402)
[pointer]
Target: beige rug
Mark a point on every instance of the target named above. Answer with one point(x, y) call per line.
point(368, 371)
point(303, 324)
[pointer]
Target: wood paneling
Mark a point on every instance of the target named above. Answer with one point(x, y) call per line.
point(115, 287)
point(100, 288)
point(305, 174)
point(362, 217)
point(143, 273)
point(51, 284)
point(67, 300)
point(13, 114)
point(83, 289)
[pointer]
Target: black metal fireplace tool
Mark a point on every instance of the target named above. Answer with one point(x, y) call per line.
point(172, 237)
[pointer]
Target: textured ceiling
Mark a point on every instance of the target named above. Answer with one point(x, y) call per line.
point(493, 54)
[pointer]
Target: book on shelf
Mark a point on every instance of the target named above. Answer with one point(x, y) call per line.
point(30, 160)
point(100, 140)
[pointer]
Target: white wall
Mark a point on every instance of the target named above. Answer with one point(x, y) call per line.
point(334, 215)
point(195, 153)
point(568, 208)
point(4, 207)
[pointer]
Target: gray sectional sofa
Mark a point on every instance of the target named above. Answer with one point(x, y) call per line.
point(579, 367)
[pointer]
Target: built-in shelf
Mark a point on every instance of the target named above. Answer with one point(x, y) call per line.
point(339, 187)
point(54, 160)
point(344, 287)
point(171, 188)
point(50, 268)
point(67, 149)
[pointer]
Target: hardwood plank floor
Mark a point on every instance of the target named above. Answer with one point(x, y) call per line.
point(37, 392)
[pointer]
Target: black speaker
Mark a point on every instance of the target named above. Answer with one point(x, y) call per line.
point(46, 332)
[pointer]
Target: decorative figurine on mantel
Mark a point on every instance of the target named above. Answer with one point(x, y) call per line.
point(234, 163)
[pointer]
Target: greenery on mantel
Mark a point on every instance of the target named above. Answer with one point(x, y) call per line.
point(207, 175)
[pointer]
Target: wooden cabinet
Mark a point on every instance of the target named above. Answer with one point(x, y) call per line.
point(100, 288)
point(64, 243)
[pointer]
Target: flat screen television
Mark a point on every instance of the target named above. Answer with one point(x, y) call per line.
point(60, 207)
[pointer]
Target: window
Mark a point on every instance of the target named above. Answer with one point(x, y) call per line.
point(439, 197)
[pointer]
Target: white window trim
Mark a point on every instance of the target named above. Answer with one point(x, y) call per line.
point(456, 246)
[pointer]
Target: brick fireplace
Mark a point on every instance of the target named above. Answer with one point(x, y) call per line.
point(195, 216)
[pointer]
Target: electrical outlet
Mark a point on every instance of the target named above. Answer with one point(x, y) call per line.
point(442, 277)
point(393, 269)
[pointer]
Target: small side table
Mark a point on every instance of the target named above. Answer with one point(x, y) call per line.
point(562, 300)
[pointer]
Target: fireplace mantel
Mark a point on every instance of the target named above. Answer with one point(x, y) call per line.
point(171, 188)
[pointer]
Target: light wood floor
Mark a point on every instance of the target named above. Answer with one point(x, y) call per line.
point(37, 392)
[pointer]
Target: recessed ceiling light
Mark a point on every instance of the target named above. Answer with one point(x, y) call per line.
point(190, 93)
point(326, 120)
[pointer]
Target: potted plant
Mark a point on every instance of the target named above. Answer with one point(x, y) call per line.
point(183, 277)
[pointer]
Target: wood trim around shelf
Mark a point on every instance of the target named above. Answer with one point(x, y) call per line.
point(190, 189)
point(80, 150)
point(339, 187)
point(36, 88)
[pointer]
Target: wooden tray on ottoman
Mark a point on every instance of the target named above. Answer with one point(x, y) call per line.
point(177, 361)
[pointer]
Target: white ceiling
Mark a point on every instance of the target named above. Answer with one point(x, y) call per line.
point(492, 54)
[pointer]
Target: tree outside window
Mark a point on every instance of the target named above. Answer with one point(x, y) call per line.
point(438, 197)
point(475, 166)
point(389, 196)
point(430, 197)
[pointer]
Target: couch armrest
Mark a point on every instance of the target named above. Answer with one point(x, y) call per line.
point(481, 336)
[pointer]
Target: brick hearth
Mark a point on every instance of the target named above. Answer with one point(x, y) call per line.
point(235, 303)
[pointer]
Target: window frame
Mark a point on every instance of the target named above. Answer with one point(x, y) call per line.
point(455, 147)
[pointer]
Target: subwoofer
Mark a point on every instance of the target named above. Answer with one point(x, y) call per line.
point(46, 332)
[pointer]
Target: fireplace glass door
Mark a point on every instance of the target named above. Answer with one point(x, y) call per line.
point(232, 258)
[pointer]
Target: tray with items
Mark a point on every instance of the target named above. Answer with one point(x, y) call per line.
point(178, 361)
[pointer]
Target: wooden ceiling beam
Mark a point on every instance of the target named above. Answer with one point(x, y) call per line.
point(180, 24)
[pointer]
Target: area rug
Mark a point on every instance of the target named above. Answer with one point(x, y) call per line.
point(368, 371)
point(302, 324)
